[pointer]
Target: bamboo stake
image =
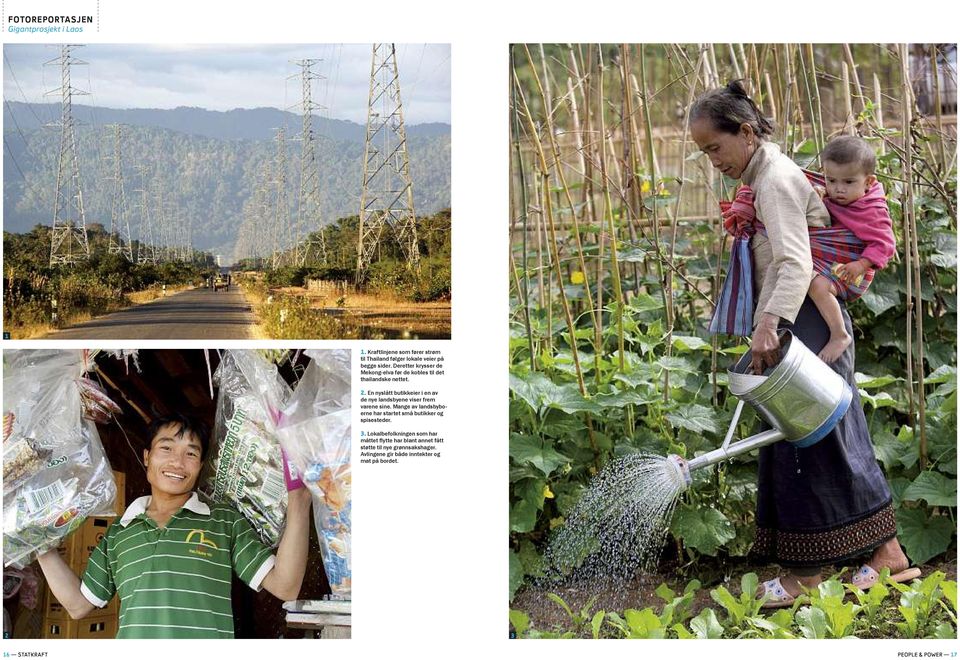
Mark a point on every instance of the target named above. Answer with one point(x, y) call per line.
point(737, 70)
point(905, 199)
point(713, 63)
point(816, 118)
point(788, 102)
point(665, 282)
point(632, 179)
point(608, 206)
point(770, 98)
point(848, 122)
point(747, 69)
point(848, 54)
point(910, 214)
point(878, 114)
point(525, 291)
point(755, 70)
point(936, 104)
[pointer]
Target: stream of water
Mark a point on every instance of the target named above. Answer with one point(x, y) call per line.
point(619, 525)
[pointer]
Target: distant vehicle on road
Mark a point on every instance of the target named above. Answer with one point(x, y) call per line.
point(221, 282)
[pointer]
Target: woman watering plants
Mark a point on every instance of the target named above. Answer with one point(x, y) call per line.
point(827, 503)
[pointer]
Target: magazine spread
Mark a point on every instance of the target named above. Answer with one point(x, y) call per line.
point(393, 326)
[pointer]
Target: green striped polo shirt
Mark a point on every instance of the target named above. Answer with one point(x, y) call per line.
point(174, 582)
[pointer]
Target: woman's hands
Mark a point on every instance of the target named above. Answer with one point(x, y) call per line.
point(765, 345)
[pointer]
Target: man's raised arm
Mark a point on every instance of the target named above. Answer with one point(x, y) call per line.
point(64, 584)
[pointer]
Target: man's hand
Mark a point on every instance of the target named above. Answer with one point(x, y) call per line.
point(765, 345)
point(286, 577)
point(853, 271)
point(64, 584)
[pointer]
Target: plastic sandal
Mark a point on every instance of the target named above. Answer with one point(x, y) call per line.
point(775, 596)
point(866, 577)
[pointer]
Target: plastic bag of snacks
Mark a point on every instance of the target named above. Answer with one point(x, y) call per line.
point(245, 467)
point(52, 455)
point(314, 429)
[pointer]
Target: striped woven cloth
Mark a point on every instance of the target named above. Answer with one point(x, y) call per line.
point(733, 314)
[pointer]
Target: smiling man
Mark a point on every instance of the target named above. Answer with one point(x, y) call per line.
point(170, 556)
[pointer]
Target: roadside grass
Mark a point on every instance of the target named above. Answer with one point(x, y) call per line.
point(33, 320)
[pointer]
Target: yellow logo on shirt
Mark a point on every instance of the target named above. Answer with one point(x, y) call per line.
point(203, 541)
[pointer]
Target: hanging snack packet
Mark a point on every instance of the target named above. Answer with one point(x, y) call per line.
point(53, 456)
point(314, 429)
point(246, 467)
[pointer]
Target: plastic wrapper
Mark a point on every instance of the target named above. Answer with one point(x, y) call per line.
point(314, 429)
point(42, 402)
point(245, 467)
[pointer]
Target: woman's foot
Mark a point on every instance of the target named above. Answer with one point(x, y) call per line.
point(889, 555)
point(835, 347)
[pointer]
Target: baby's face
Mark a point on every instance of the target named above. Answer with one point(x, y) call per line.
point(846, 183)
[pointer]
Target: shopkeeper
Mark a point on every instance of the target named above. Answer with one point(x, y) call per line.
point(170, 556)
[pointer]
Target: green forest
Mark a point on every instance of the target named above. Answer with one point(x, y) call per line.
point(203, 182)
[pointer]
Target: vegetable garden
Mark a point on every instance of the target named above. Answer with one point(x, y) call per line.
point(617, 254)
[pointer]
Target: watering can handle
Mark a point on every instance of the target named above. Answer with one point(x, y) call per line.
point(733, 425)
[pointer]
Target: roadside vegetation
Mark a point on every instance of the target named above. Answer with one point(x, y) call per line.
point(34, 291)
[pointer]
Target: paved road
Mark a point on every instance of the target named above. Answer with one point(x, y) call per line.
point(193, 314)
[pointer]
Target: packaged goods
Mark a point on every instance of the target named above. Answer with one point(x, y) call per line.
point(245, 467)
point(52, 453)
point(314, 429)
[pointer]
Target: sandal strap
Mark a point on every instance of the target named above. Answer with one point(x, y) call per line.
point(865, 575)
point(775, 591)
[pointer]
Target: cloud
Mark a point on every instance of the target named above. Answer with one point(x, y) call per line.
point(224, 77)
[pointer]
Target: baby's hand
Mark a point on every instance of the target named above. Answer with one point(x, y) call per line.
point(821, 191)
point(851, 272)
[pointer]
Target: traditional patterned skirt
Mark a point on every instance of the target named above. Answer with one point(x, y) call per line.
point(829, 502)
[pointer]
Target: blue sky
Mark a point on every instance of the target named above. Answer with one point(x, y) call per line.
point(224, 77)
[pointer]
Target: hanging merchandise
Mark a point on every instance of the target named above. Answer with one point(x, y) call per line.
point(52, 456)
point(314, 429)
point(245, 467)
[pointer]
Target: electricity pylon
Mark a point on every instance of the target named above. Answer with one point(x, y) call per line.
point(119, 221)
point(308, 208)
point(281, 215)
point(147, 250)
point(68, 236)
point(386, 196)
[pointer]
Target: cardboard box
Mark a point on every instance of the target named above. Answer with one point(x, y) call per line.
point(55, 629)
point(91, 533)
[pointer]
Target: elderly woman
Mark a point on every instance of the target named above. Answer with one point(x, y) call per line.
point(827, 503)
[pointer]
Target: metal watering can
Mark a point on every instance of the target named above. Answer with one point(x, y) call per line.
point(801, 398)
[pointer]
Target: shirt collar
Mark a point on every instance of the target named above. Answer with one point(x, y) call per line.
point(765, 152)
point(140, 505)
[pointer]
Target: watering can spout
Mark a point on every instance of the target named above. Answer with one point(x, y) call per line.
point(683, 467)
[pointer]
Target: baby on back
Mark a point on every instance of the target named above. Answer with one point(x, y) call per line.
point(856, 201)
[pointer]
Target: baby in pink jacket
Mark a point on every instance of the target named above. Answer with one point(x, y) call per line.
point(855, 200)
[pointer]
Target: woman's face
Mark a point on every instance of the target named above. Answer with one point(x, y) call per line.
point(728, 152)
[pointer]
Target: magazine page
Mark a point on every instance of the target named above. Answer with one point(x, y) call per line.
point(416, 328)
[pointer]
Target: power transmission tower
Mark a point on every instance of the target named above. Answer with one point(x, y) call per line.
point(386, 197)
point(162, 250)
point(68, 237)
point(281, 215)
point(147, 250)
point(308, 209)
point(119, 221)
